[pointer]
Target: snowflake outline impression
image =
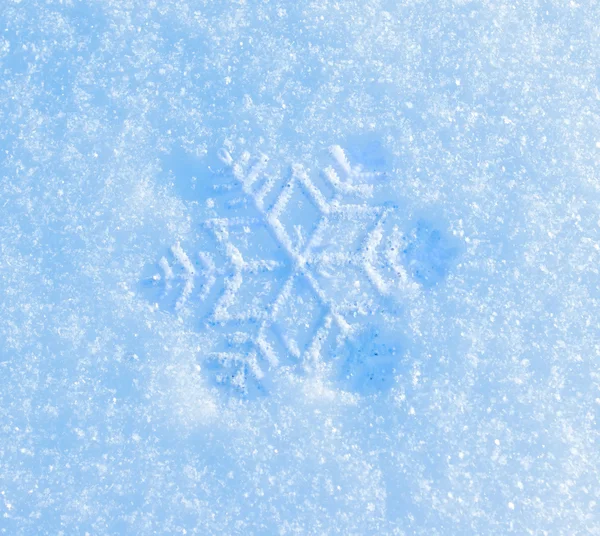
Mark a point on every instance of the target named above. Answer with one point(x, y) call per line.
point(312, 263)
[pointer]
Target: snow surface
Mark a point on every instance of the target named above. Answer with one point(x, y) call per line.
point(276, 267)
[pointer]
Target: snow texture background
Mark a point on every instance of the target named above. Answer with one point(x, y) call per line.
point(299, 267)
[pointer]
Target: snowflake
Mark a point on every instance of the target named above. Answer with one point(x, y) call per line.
point(298, 271)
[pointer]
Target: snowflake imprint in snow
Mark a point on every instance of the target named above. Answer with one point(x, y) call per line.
point(295, 273)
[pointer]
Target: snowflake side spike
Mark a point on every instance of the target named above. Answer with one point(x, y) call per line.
point(370, 253)
point(189, 274)
point(352, 174)
point(169, 275)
